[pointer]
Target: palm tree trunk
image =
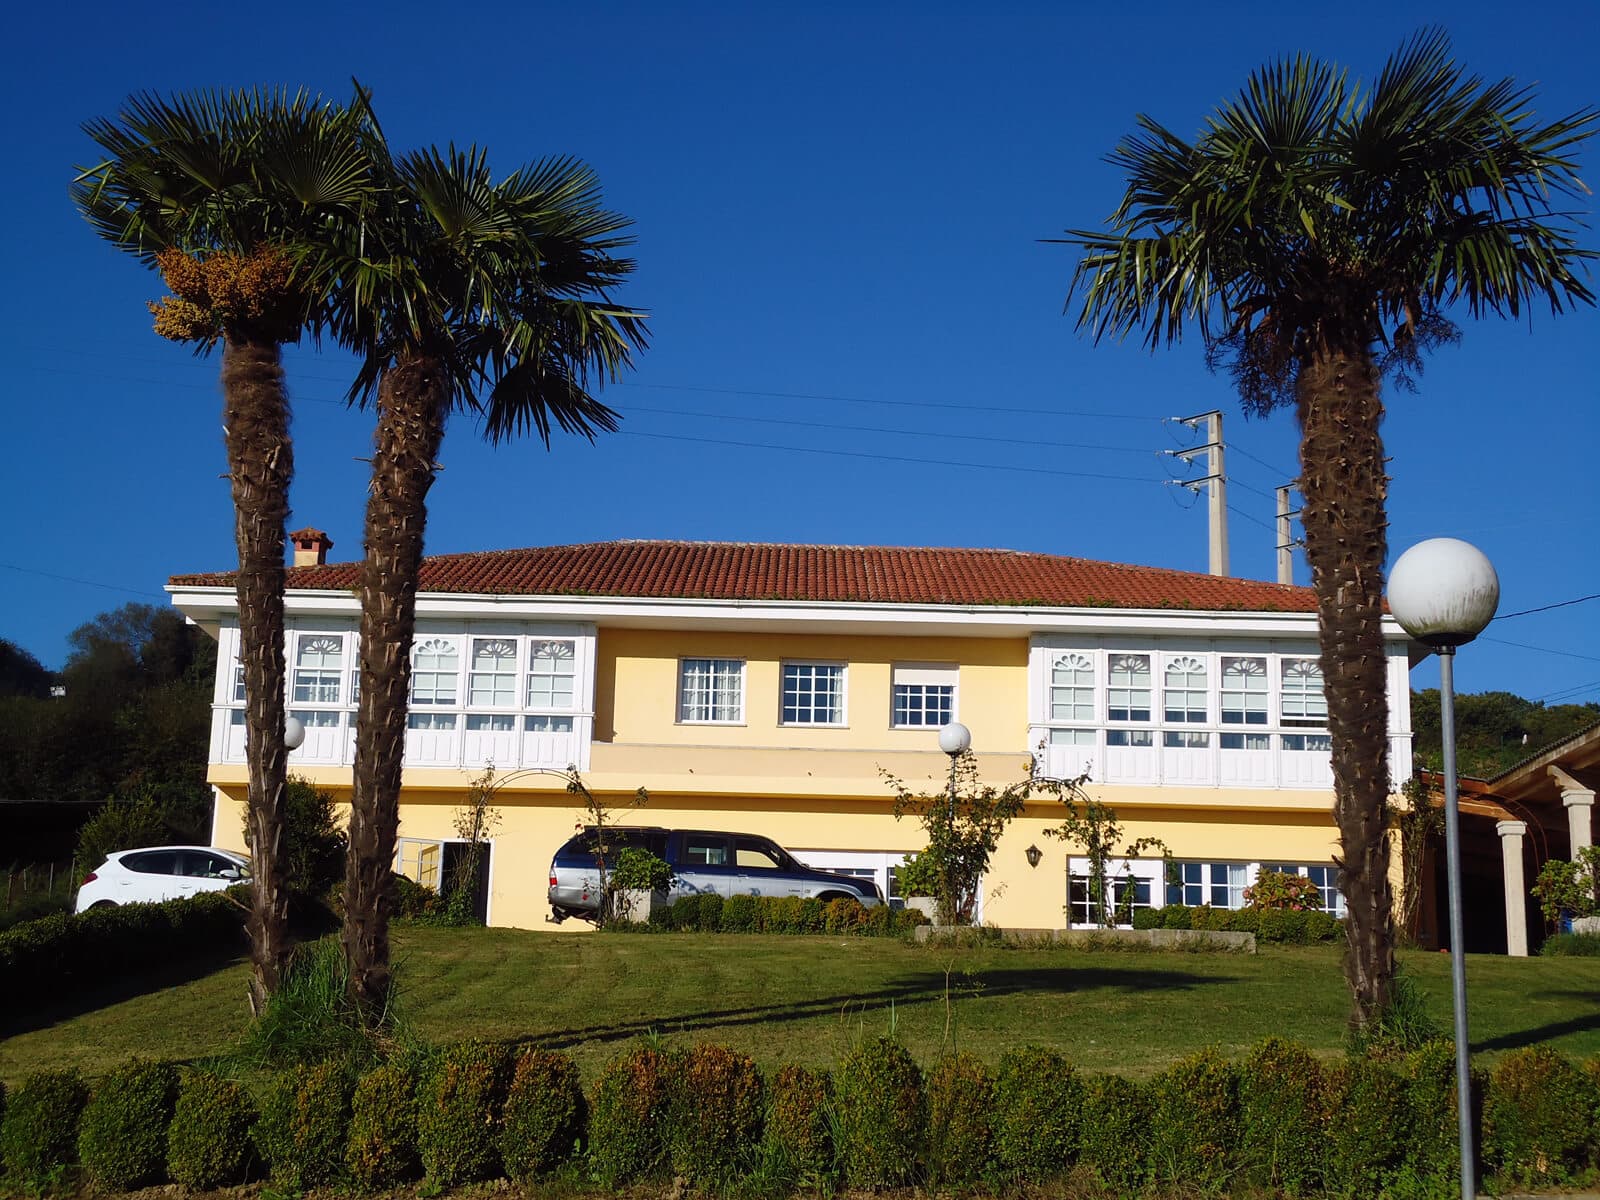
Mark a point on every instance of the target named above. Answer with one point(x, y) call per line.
point(260, 463)
point(1343, 486)
point(412, 402)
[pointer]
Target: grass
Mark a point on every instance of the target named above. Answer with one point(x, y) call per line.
point(810, 999)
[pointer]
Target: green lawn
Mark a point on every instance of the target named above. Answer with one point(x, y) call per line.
point(808, 999)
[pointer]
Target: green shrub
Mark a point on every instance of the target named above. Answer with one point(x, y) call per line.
point(1113, 1130)
point(544, 1114)
point(310, 1017)
point(708, 918)
point(792, 914)
point(960, 1120)
point(1176, 916)
point(1538, 1117)
point(122, 1142)
point(638, 870)
point(412, 900)
point(458, 1113)
point(1245, 920)
point(881, 1113)
point(44, 959)
point(1285, 925)
point(1281, 890)
point(1368, 1126)
point(1323, 927)
point(739, 914)
point(313, 849)
point(1147, 918)
point(1430, 1073)
point(626, 1115)
point(1037, 1096)
point(1572, 945)
point(1194, 1121)
point(304, 1126)
point(382, 1149)
point(842, 916)
point(798, 1102)
point(1209, 918)
point(813, 916)
point(1280, 1117)
point(208, 1144)
point(39, 1131)
point(715, 1105)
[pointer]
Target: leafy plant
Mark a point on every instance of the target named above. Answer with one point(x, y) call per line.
point(961, 1092)
point(918, 875)
point(1194, 1121)
point(382, 1148)
point(311, 1017)
point(1037, 1098)
point(1113, 1130)
point(39, 1129)
point(459, 1108)
point(797, 1126)
point(303, 1128)
point(1368, 1123)
point(715, 1105)
point(544, 1114)
point(208, 1143)
point(122, 1141)
point(606, 849)
point(626, 1116)
point(1092, 827)
point(1539, 1116)
point(881, 1115)
point(475, 823)
point(1280, 1117)
point(1571, 888)
point(1280, 890)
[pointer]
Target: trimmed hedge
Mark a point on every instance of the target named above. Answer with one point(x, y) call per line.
point(1539, 1117)
point(881, 1115)
point(381, 1151)
point(544, 1114)
point(1278, 1122)
point(39, 1131)
point(122, 1142)
point(708, 913)
point(798, 1135)
point(960, 1120)
point(715, 1105)
point(1037, 1096)
point(44, 958)
point(626, 1116)
point(304, 1126)
point(459, 1109)
point(208, 1143)
point(1295, 927)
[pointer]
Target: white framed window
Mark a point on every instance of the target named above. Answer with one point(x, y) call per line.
point(1312, 743)
point(1071, 737)
point(1246, 741)
point(436, 722)
point(922, 696)
point(547, 724)
point(318, 669)
point(1128, 687)
point(238, 683)
point(435, 672)
point(711, 691)
point(813, 694)
point(492, 678)
point(1130, 737)
point(1303, 702)
point(552, 674)
point(317, 718)
point(491, 723)
point(1219, 884)
point(1183, 692)
point(1072, 688)
point(1244, 691)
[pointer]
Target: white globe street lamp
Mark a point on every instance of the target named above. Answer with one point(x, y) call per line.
point(1444, 592)
point(294, 733)
point(954, 739)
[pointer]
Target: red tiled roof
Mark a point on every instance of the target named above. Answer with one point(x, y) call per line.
point(874, 574)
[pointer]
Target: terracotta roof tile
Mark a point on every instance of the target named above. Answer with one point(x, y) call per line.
point(873, 574)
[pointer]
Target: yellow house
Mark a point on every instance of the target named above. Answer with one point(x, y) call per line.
point(762, 689)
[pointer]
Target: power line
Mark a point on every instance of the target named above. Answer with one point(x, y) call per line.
point(1547, 607)
point(110, 587)
point(927, 462)
point(1542, 649)
point(1566, 693)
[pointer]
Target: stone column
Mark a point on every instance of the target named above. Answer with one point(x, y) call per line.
point(1516, 890)
point(1579, 803)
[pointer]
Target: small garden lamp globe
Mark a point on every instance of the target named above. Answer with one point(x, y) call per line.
point(1444, 592)
point(955, 739)
point(294, 733)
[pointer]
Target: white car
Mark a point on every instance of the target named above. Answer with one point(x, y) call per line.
point(160, 873)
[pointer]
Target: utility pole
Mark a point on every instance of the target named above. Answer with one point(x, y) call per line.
point(1286, 542)
point(1216, 481)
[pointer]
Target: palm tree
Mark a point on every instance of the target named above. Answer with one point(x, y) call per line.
point(1319, 233)
point(220, 191)
point(466, 293)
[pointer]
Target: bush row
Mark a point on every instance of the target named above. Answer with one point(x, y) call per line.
point(783, 914)
point(1279, 1120)
point(1297, 927)
point(45, 958)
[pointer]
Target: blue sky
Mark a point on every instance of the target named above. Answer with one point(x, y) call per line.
point(857, 330)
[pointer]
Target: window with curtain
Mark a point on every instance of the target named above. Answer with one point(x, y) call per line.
point(711, 690)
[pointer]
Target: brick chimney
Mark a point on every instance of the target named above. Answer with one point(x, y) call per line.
point(311, 547)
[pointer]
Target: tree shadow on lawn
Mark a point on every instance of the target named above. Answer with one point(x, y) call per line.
point(1517, 1039)
point(78, 997)
point(923, 988)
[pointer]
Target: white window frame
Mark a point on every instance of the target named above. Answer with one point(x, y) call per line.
point(1303, 695)
point(924, 676)
point(511, 675)
point(434, 703)
point(553, 704)
point(735, 668)
point(1082, 699)
point(1112, 688)
point(839, 716)
point(317, 677)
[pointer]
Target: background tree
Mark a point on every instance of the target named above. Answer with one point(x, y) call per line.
point(225, 193)
point(1316, 234)
point(21, 674)
point(462, 292)
point(1494, 730)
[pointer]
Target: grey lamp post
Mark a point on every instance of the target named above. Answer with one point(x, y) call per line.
point(954, 739)
point(1444, 592)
